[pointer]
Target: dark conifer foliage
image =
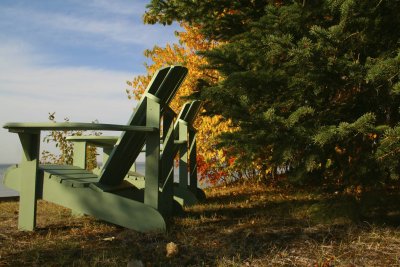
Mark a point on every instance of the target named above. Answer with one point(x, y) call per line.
point(313, 85)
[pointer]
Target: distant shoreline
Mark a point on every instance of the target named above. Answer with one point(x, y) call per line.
point(9, 198)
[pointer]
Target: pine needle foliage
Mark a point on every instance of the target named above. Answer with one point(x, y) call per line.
point(313, 86)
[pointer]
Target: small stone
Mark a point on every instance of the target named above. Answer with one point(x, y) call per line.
point(172, 249)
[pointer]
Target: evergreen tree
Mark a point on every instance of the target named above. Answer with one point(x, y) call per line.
point(312, 85)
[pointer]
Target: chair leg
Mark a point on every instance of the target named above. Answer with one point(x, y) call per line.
point(151, 190)
point(183, 157)
point(192, 161)
point(29, 179)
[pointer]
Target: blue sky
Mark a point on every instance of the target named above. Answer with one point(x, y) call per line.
point(72, 57)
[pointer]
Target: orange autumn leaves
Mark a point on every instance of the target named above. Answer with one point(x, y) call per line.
point(213, 165)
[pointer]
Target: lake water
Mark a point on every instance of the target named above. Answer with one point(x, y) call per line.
point(4, 191)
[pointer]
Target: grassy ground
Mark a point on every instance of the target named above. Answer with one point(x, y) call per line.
point(237, 226)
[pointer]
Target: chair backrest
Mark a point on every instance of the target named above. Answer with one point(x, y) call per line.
point(190, 114)
point(164, 86)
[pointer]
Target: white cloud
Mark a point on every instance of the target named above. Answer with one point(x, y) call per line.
point(124, 7)
point(117, 30)
point(108, 29)
point(28, 91)
point(33, 83)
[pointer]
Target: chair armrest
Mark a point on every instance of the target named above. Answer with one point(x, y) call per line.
point(69, 126)
point(99, 141)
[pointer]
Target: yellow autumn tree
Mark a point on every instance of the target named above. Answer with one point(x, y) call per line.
point(213, 164)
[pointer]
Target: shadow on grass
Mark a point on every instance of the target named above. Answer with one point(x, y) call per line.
point(253, 229)
point(381, 208)
point(263, 225)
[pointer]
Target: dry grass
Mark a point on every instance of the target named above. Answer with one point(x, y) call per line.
point(237, 226)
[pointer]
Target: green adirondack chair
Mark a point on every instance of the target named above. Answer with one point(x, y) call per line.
point(105, 196)
point(180, 138)
point(186, 191)
point(174, 139)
